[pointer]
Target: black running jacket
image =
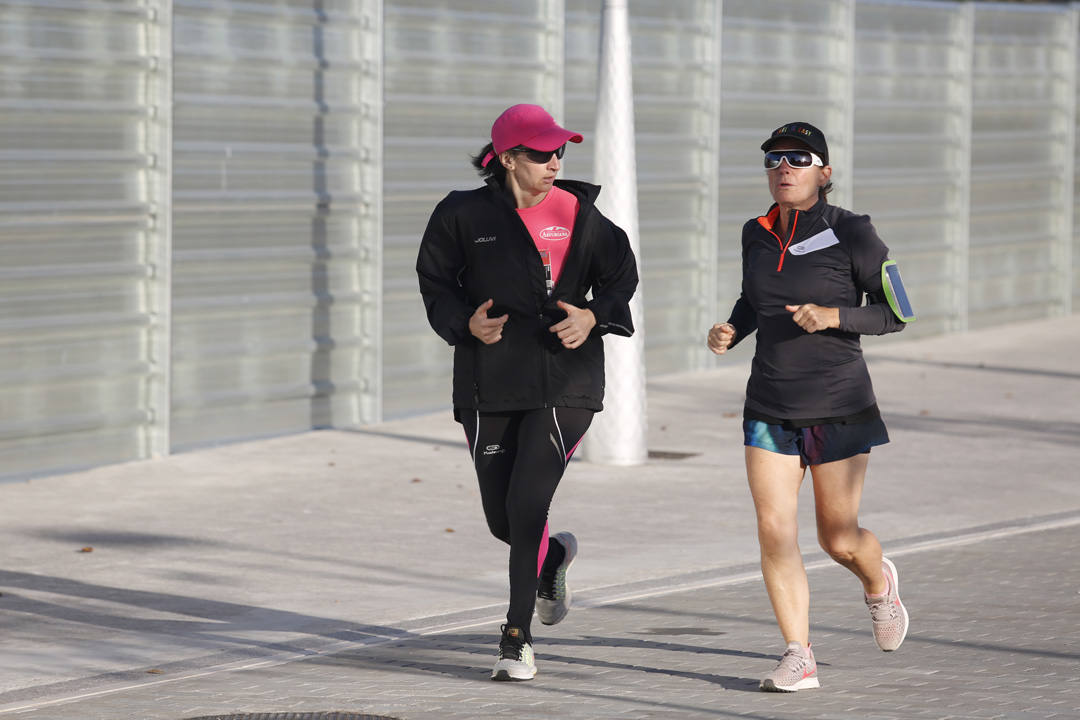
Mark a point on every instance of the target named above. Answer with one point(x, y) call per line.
point(476, 247)
point(831, 257)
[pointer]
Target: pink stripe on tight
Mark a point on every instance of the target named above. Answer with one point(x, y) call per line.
point(571, 453)
point(543, 551)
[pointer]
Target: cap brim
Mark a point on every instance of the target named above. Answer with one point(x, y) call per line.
point(552, 139)
point(787, 138)
point(768, 144)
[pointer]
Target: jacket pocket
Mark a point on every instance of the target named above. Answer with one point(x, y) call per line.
point(508, 371)
point(577, 376)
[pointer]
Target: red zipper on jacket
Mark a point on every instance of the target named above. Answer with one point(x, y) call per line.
point(783, 246)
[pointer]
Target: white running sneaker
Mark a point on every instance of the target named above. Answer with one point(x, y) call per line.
point(516, 661)
point(888, 613)
point(552, 594)
point(797, 671)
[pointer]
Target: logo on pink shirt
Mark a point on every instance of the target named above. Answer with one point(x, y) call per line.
point(555, 232)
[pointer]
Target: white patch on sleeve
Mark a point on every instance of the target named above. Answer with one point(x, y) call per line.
point(825, 238)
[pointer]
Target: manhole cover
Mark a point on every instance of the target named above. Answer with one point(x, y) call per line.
point(295, 716)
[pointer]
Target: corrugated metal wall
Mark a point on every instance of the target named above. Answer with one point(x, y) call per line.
point(782, 61)
point(451, 67)
point(276, 217)
point(222, 247)
point(1024, 101)
point(912, 148)
point(81, 244)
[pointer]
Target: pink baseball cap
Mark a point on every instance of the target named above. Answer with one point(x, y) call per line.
point(528, 125)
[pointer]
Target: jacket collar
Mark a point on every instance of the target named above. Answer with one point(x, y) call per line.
point(585, 192)
point(770, 218)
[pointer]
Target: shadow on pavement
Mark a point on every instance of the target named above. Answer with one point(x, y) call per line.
point(210, 619)
point(975, 366)
point(1057, 431)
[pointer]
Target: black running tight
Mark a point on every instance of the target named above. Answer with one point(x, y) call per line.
point(520, 458)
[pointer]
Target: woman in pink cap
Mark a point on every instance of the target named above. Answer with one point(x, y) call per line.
point(505, 271)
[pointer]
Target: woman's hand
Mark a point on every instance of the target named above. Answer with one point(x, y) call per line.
point(575, 329)
point(720, 337)
point(813, 318)
point(487, 330)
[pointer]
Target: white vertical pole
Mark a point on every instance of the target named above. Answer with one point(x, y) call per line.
point(618, 435)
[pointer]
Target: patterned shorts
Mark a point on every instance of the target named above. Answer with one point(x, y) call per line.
point(816, 444)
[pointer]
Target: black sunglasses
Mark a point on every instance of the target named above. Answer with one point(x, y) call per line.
point(540, 157)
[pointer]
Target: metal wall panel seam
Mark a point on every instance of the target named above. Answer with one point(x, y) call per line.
point(82, 6)
point(272, 13)
point(709, 294)
point(74, 423)
point(554, 20)
point(1064, 259)
point(60, 57)
point(770, 26)
point(470, 18)
point(846, 193)
point(1075, 250)
point(160, 303)
point(372, 383)
point(926, 4)
point(959, 320)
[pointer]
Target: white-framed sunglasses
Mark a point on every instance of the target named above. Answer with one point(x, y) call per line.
point(795, 159)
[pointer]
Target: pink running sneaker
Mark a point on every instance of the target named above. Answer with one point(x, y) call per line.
point(797, 671)
point(888, 613)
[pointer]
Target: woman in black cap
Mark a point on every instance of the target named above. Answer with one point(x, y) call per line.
point(504, 272)
point(809, 402)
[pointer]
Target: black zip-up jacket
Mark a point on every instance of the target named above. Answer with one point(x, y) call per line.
point(831, 257)
point(477, 247)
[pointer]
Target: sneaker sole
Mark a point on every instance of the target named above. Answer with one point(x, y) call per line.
point(569, 543)
point(504, 675)
point(896, 585)
point(767, 685)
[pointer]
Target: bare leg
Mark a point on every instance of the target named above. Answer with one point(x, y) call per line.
point(774, 484)
point(837, 492)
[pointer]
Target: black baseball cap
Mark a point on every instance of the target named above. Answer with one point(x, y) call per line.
point(805, 133)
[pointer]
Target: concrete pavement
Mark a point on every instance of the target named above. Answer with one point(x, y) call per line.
point(352, 571)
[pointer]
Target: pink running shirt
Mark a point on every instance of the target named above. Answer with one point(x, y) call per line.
point(551, 223)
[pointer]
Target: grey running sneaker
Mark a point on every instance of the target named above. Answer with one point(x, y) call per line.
point(516, 661)
point(552, 594)
point(888, 613)
point(797, 671)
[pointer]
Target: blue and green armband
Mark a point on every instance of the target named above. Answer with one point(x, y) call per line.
point(895, 293)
